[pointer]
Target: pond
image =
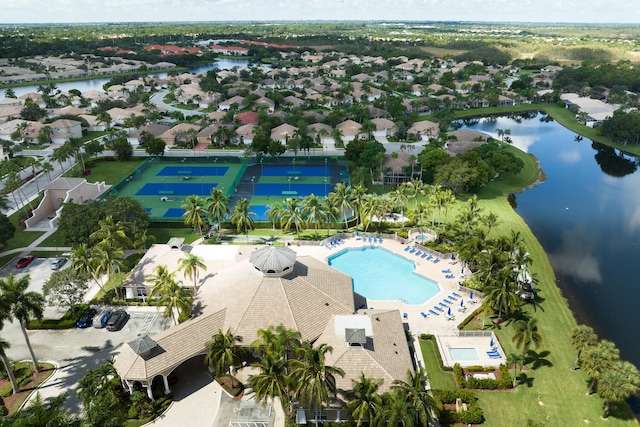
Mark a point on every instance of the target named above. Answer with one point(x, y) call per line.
point(586, 215)
point(96, 84)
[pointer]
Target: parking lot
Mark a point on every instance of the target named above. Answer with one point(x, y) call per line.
point(74, 350)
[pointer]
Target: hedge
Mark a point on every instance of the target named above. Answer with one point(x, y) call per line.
point(428, 337)
point(67, 321)
point(504, 382)
point(473, 414)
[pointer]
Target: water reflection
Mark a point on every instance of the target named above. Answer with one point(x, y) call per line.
point(586, 215)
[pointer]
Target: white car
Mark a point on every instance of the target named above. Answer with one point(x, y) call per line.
point(57, 263)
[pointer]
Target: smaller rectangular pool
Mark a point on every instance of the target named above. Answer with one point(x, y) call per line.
point(463, 354)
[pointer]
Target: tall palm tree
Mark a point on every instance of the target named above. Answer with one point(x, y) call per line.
point(47, 167)
point(415, 393)
point(272, 380)
point(242, 217)
point(112, 233)
point(108, 260)
point(372, 206)
point(516, 360)
point(395, 411)
point(357, 195)
point(223, 351)
point(287, 341)
point(292, 214)
point(331, 211)
point(195, 214)
point(142, 240)
point(597, 360)
point(274, 213)
point(191, 265)
point(502, 296)
point(419, 214)
point(83, 262)
point(582, 338)
point(526, 334)
point(22, 306)
point(46, 413)
point(618, 383)
point(363, 400)
point(60, 155)
point(217, 205)
point(4, 345)
point(313, 211)
point(171, 294)
point(342, 199)
point(266, 341)
point(399, 199)
point(315, 382)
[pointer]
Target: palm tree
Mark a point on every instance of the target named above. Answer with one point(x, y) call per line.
point(313, 211)
point(60, 155)
point(315, 382)
point(342, 200)
point(414, 391)
point(399, 199)
point(272, 380)
point(364, 402)
point(292, 214)
point(274, 213)
point(526, 333)
point(4, 345)
point(112, 233)
point(242, 217)
point(617, 383)
point(331, 212)
point(108, 260)
point(582, 338)
point(287, 341)
point(141, 241)
point(195, 213)
point(82, 262)
point(515, 360)
point(357, 195)
point(420, 214)
point(502, 296)
point(48, 168)
point(217, 205)
point(22, 306)
point(223, 351)
point(50, 413)
point(190, 265)
point(597, 360)
point(171, 294)
point(395, 411)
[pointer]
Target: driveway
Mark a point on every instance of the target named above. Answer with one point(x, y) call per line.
point(74, 351)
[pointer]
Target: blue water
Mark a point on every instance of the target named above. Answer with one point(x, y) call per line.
point(586, 215)
point(463, 354)
point(382, 275)
point(193, 171)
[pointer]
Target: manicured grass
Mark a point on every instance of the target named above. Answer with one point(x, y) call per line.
point(54, 239)
point(163, 235)
point(438, 379)
point(111, 171)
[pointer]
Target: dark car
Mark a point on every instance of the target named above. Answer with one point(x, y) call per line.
point(24, 261)
point(86, 318)
point(102, 321)
point(116, 321)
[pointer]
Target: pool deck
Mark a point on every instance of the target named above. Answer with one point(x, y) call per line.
point(432, 324)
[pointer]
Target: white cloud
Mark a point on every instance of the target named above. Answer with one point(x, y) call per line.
point(569, 156)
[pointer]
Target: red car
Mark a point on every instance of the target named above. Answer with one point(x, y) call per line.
point(24, 261)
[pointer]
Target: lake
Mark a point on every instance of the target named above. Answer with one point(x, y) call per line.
point(586, 215)
point(96, 84)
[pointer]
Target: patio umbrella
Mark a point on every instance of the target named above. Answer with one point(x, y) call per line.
point(491, 343)
point(470, 295)
point(461, 303)
point(449, 311)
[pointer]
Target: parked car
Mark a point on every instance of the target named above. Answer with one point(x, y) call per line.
point(102, 320)
point(57, 263)
point(86, 318)
point(116, 321)
point(24, 261)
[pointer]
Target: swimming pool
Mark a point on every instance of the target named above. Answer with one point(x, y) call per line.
point(382, 275)
point(463, 354)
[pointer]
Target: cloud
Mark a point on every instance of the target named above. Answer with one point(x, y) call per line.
point(576, 256)
point(569, 156)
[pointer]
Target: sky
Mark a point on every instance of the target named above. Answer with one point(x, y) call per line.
point(83, 11)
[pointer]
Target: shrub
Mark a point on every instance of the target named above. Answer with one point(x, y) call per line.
point(67, 321)
point(473, 414)
point(504, 382)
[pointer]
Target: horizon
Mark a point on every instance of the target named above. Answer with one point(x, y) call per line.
point(49, 12)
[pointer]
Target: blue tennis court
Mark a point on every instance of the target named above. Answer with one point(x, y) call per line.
point(260, 211)
point(193, 171)
point(174, 213)
point(280, 189)
point(290, 170)
point(176, 189)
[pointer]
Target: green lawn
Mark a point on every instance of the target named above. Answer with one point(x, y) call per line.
point(111, 171)
point(438, 379)
point(163, 235)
